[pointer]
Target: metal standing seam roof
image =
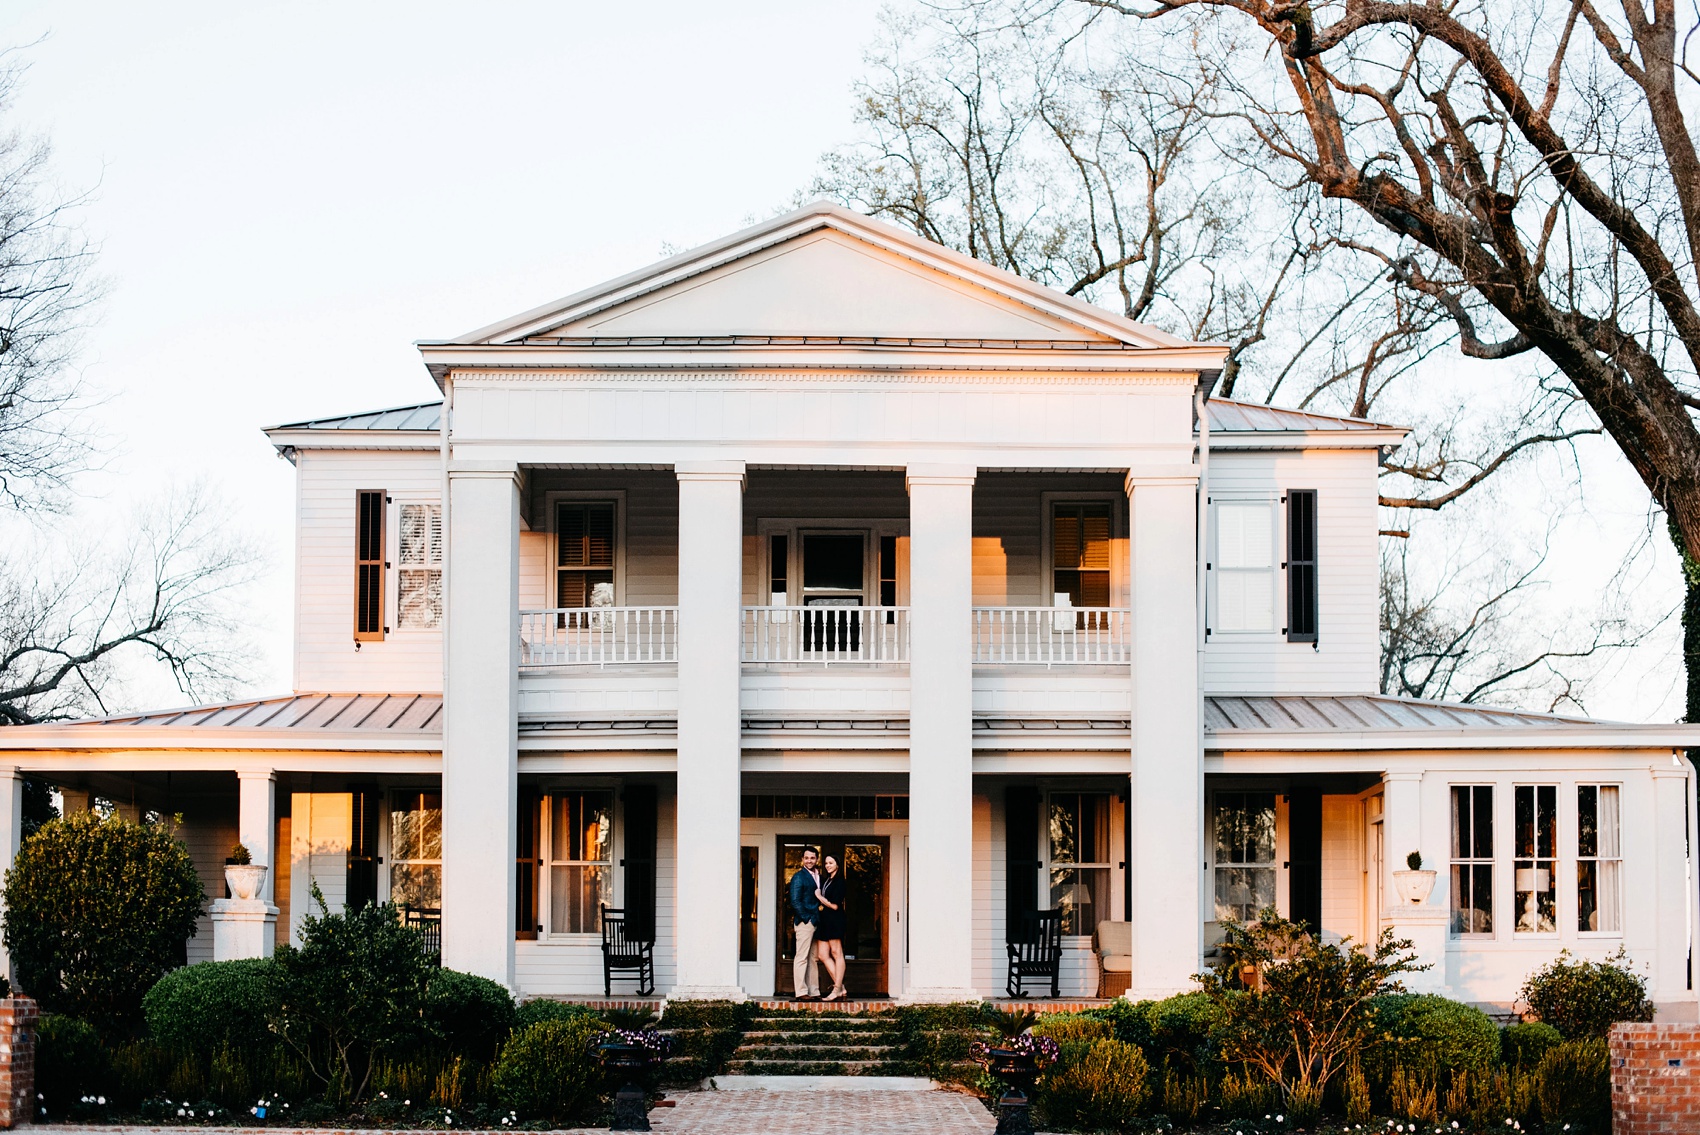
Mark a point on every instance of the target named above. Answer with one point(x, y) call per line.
point(1226, 416)
point(334, 713)
point(1367, 713)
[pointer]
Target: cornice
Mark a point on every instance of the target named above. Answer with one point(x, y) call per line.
point(860, 374)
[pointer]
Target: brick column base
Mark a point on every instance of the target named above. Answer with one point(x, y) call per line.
point(1655, 1079)
point(17, 1061)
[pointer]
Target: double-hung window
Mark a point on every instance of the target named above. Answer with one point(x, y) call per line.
point(1078, 840)
point(1536, 863)
point(584, 554)
point(416, 850)
point(1244, 567)
point(581, 847)
point(1599, 860)
point(1472, 859)
point(1080, 553)
point(1245, 854)
point(419, 570)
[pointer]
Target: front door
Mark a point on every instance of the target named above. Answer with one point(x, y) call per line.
point(863, 859)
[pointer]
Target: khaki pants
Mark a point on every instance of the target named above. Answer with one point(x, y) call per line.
point(805, 970)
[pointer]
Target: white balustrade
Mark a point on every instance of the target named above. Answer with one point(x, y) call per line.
point(1053, 636)
point(598, 636)
point(827, 635)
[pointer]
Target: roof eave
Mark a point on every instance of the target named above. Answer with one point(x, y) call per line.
point(1373, 438)
point(1417, 739)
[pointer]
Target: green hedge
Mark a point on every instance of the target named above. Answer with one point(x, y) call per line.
point(1583, 999)
point(1522, 1046)
point(546, 1072)
point(467, 1015)
point(213, 1005)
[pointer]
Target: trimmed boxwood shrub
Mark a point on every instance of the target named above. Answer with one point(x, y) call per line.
point(467, 1015)
point(1574, 1083)
point(213, 1005)
point(1096, 1085)
point(1068, 1027)
point(1522, 1046)
point(541, 1009)
point(1436, 1033)
point(1584, 999)
point(546, 1071)
point(97, 910)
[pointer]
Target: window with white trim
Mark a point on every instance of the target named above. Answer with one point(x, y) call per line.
point(1077, 845)
point(416, 850)
point(1599, 860)
point(581, 848)
point(419, 568)
point(584, 554)
point(1535, 884)
point(1244, 567)
point(1472, 859)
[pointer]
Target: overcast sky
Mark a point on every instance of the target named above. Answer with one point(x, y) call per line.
point(288, 195)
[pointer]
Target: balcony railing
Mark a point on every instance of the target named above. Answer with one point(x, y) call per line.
point(1053, 636)
point(826, 635)
point(598, 636)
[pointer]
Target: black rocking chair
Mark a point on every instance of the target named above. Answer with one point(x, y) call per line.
point(1035, 951)
point(626, 952)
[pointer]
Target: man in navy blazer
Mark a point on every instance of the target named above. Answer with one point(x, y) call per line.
point(805, 907)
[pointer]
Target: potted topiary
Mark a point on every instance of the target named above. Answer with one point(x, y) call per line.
point(243, 875)
point(1415, 884)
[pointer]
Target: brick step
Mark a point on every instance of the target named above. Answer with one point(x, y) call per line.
point(842, 1052)
point(818, 1022)
point(822, 1068)
point(819, 1040)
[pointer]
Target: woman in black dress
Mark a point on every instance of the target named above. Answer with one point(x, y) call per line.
point(829, 930)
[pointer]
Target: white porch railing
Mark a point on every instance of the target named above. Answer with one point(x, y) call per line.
point(1053, 636)
point(598, 636)
point(826, 634)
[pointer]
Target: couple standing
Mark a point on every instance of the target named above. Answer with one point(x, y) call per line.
point(817, 903)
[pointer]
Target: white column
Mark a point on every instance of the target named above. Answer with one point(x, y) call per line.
point(11, 832)
point(1167, 803)
point(1673, 900)
point(941, 734)
point(256, 822)
point(1424, 923)
point(481, 719)
point(711, 553)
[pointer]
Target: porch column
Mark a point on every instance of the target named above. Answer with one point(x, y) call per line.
point(711, 554)
point(481, 719)
point(1166, 808)
point(941, 733)
point(11, 832)
point(1673, 900)
point(256, 822)
point(1423, 923)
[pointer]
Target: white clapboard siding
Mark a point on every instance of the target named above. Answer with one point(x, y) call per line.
point(573, 966)
point(325, 654)
point(208, 831)
point(1342, 867)
point(1348, 569)
point(320, 832)
point(990, 870)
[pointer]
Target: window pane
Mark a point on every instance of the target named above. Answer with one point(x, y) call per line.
point(1242, 892)
point(1587, 821)
point(1246, 601)
point(1536, 888)
point(582, 826)
point(576, 895)
point(1082, 895)
point(416, 826)
point(1472, 898)
point(1245, 827)
point(1245, 535)
point(1610, 833)
point(416, 885)
point(419, 598)
point(421, 535)
point(1079, 827)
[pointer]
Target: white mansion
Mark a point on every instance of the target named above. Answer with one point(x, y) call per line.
point(825, 535)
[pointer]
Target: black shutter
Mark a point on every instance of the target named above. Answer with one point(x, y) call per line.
point(1021, 866)
point(361, 880)
point(639, 862)
point(369, 565)
point(1301, 566)
point(1304, 852)
point(527, 864)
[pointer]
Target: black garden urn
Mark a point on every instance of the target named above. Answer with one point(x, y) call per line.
point(631, 1103)
point(1017, 1070)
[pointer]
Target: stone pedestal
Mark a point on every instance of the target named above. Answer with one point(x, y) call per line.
point(243, 928)
point(1425, 925)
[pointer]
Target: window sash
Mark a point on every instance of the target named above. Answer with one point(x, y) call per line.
point(1081, 536)
point(1599, 859)
point(586, 546)
point(1245, 848)
point(1535, 863)
point(416, 850)
point(579, 862)
point(1472, 860)
point(1244, 567)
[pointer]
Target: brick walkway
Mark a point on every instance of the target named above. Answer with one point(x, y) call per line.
point(823, 1113)
point(726, 1113)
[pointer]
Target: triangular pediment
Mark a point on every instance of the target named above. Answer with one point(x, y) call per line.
point(822, 272)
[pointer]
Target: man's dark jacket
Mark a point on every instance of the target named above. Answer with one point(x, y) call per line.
point(804, 904)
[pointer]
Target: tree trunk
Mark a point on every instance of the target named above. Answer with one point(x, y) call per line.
point(1690, 634)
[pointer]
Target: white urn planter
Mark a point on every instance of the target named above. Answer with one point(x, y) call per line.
point(1414, 886)
point(245, 879)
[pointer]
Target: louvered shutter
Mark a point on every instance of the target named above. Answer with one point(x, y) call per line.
point(584, 553)
point(369, 565)
point(1302, 589)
